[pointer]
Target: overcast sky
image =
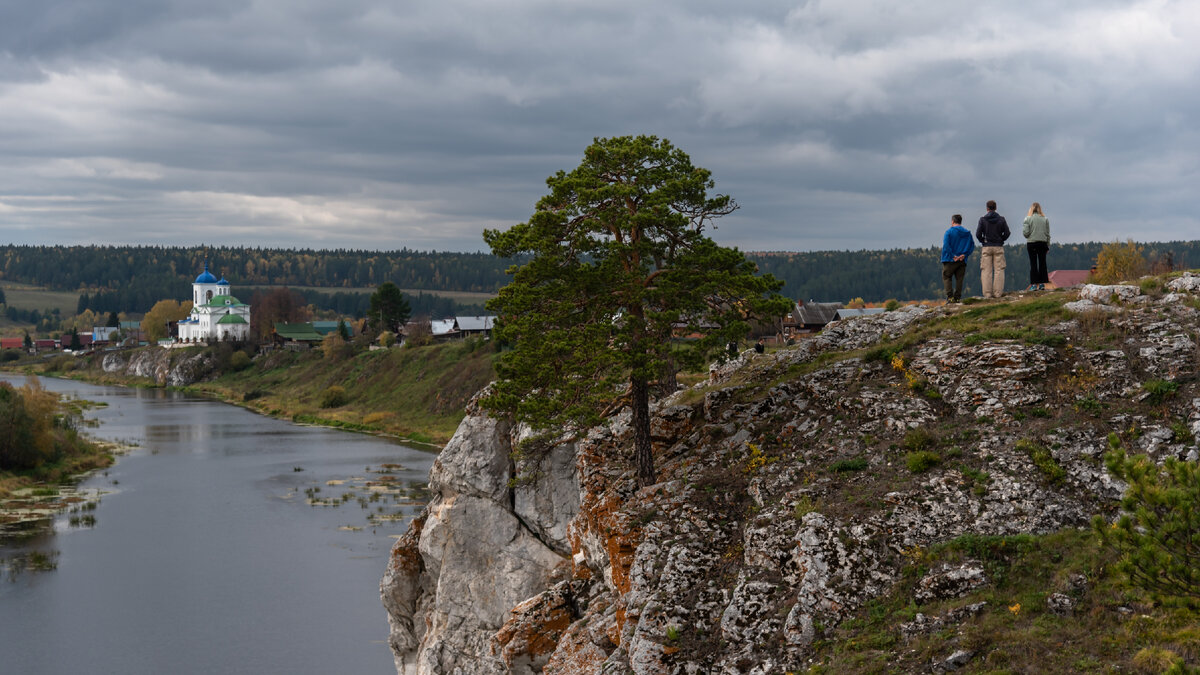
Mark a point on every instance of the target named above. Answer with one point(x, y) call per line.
point(836, 124)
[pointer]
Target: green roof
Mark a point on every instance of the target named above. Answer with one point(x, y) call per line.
point(224, 301)
point(300, 332)
point(231, 318)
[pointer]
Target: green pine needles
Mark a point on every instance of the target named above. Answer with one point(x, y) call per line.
point(619, 287)
point(1158, 530)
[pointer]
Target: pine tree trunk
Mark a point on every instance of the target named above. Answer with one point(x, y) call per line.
point(642, 457)
point(667, 382)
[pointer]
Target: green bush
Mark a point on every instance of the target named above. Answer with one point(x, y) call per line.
point(1159, 390)
point(239, 360)
point(334, 397)
point(847, 465)
point(892, 305)
point(922, 461)
point(10, 355)
point(919, 439)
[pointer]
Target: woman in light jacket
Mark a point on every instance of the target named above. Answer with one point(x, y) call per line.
point(1037, 236)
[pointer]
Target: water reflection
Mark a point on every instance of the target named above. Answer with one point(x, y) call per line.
point(226, 542)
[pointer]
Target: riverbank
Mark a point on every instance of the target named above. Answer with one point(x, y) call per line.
point(417, 394)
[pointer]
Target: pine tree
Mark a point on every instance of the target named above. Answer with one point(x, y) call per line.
point(615, 260)
point(1158, 531)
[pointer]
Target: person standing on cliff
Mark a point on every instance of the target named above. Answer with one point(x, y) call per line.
point(992, 232)
point(956, 248)
point(1036, 229)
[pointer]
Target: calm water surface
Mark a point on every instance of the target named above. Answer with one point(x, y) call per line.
point(206, 556)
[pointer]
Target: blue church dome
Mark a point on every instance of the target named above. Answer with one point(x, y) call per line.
point(206, 277)
point(222, 282)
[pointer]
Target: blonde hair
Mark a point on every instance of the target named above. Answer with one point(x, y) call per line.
point(1036, 208)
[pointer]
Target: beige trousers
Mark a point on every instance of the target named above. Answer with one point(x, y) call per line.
point(991, 263)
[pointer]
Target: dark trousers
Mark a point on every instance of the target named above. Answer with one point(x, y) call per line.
point(1037, 262)
point(955, 271)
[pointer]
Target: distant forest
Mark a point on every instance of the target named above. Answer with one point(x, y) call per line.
point(133, 278)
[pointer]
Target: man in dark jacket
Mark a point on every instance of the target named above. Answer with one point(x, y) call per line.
point(992, 232)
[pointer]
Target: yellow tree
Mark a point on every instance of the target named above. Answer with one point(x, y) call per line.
point(156, 321)
point(1119, 262)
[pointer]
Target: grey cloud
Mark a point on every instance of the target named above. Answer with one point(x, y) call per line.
point(846, 124)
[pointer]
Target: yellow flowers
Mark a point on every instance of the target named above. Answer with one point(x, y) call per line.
point(914, 381)
point(1015, 609)
point(757, 459)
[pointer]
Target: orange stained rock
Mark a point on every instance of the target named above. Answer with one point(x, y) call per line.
point(575, 654)
point(405, 554)
point(535, 627)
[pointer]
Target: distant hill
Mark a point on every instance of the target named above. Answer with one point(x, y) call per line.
point(132, 278)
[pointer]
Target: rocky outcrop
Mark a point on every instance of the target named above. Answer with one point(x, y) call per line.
point(484, 548)
point(794, 488)
point(167, 367)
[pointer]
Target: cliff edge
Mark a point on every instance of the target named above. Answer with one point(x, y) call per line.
point(802, 489)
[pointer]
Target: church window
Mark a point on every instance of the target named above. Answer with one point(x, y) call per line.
point(208, 296)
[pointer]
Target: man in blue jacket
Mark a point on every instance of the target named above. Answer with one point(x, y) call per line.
point(956, 247)
point(992, 233)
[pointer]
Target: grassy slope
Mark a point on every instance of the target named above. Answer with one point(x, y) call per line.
point(418, 393)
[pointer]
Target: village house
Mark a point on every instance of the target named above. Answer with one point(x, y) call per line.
point(809, 317)
point(475, 325)
point(297, 336)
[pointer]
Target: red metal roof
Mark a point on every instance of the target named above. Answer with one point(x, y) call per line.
point(1068, 278)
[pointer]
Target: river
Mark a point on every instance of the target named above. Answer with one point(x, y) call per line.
point(207, 554)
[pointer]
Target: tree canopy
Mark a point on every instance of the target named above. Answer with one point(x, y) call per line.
point(156, 322)
point(389, 310)
point(615, 265)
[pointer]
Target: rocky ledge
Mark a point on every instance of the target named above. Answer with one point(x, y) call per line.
point(166, 367)
point(794, 487)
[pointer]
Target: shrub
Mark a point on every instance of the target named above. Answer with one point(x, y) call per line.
point(1156, 532)
point(922, 461)
point(10, 355)
point(919, 439)
point(387, 339)
point(239, 360)
point(847, 465)
point(1159, 390)
point(1181, 432)
point(333, 397)
point(892, 305)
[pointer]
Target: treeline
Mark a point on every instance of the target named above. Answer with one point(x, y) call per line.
point(356, 304)
point(132, 279)
point(915, 274)
point(119, 267)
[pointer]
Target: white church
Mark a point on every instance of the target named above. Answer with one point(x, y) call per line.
point(216, 315)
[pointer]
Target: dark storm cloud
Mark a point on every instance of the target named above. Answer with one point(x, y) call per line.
point(845, 124)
